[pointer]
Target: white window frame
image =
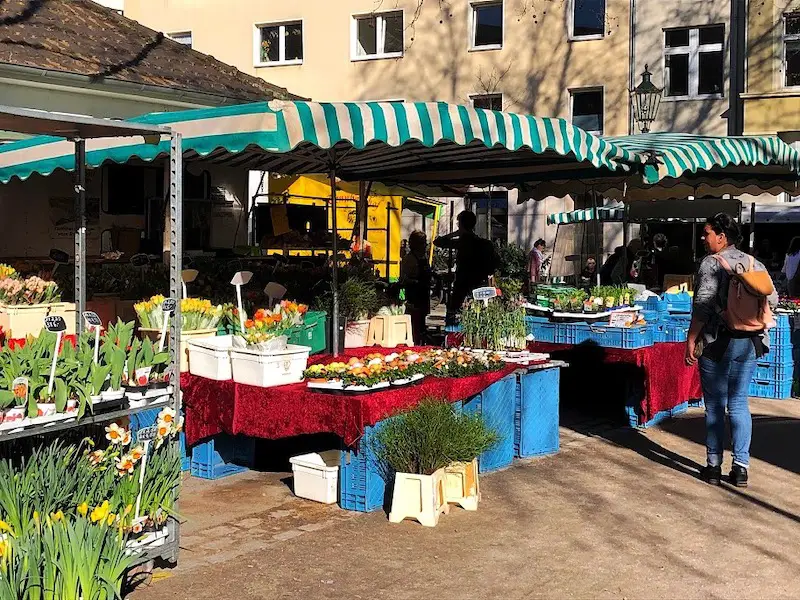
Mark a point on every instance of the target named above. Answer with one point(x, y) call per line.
point(583, 38)
point(473, 26)
point(597, 88)
point(281, 25)
point(794, 37)
point(693, 50)
point(185, 33)
point(473, 97)
point(380, 35)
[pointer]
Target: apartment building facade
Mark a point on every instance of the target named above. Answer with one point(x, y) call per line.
point(575, 59)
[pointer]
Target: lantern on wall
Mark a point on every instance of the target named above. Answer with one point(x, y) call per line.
point(645, 100)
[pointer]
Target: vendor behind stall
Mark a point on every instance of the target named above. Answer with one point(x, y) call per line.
point(475, 258)
point(415, 278)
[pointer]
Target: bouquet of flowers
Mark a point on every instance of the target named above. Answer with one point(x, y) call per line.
point(7, 272)
point(196, 313)
point(33, 290)
point(267, 325)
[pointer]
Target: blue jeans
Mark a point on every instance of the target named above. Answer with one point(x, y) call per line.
point(725, 385)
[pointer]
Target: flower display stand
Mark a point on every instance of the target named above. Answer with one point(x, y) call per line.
point(390, 331)
point(155, 335)
point(355, 334)
point(420, 497)
point(461, 485)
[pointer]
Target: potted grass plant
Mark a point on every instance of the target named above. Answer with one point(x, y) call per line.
point(416, 449)
point(498, 325)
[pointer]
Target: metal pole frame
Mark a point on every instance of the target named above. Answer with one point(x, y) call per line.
point(335, 278)
point(598, 243)
point(80, 233)
point(175, 256)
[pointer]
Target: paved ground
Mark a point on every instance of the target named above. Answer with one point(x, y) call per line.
point(616, 514)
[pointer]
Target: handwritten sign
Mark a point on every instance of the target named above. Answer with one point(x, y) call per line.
point(147, 434)
point(55, 324)
point(242, 278)
point(622, 319)
point(92, 319)
point(484, 293)
point(140, 260)
point(169, 305)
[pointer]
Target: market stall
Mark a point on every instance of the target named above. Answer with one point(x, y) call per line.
point(82, 392)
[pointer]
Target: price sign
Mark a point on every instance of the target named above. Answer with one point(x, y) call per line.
point(169, 306)
point(242, 278)
point(147, 434)
point(484, 293)
point(140, 260)
point(92, 319)
point(622, 319)
point(19, 387)
point(59, 256)
point(55, 324)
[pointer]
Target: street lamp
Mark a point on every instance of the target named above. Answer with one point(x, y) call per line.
point(645, 100)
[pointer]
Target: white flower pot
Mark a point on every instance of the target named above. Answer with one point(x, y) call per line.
point(420, 497)
point(45, 409)
point(113, 394)
point(355, 334)
point(461, 484)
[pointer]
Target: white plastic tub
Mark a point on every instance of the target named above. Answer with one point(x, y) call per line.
point(316, 476)
point(252, 367)
point(211, 357)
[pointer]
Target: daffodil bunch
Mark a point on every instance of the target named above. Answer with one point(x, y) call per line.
point(197, 313)
point(149, 312)
point(119, 453)
point(7, 272)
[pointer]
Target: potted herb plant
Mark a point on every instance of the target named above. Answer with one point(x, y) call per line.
point(416, 448)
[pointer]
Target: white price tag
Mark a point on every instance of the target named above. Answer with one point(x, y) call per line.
point(622, 319)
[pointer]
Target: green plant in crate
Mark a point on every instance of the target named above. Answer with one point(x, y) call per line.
point(496, 325)
point(430, 437)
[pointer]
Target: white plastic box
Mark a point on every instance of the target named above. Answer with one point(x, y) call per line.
point(211, 357)
point(316, 476)
point(279, 367)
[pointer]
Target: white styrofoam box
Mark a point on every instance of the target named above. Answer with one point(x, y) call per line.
point(211, 357)
point(316, 476)
point(252, 367)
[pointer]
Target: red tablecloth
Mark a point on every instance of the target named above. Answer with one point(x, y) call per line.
point(657, 375)
point(213, 407)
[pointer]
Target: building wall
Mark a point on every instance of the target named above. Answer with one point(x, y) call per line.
point(534, 70)
point(652, 18)
point(769, 106)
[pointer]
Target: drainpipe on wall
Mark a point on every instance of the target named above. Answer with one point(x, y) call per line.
point(631, 61)
point(738, 55)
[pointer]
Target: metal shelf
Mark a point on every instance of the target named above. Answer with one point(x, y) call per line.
point(47, 428)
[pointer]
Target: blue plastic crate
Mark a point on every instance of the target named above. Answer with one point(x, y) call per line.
point(659, 333)
point(656, 304)
point(768, 371)
point(679, 303)
point(783, 322)
point(779, 354)
point(146, 418)
point(571, 333)
point(679, 320)
point(223, 455)
point(536, 413)
point(496, 404)
point(653, 316)
point(541, 329)
point(628, 338)
point(780, 336)
point(775, 390)
point(362, 486)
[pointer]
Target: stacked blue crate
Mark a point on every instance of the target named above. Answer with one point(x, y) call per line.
point(774, 372)
point(223, 455)
point(536, 413)
point(571, 333)
point(541, 329)
point(496, 405)
point(362, 486)
point(678, 303)
point(628, 338)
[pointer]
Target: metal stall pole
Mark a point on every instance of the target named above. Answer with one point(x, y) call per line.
point(175, 256)
point(80, 233)
point(752, 227)
point(597, 241)
point(335, 282)
point(388, 240)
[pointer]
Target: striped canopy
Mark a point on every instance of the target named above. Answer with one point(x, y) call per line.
point(604, 213)
point(430, 143)
point(678, 165)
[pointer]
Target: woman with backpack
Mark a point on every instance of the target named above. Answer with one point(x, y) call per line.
point(733, 301)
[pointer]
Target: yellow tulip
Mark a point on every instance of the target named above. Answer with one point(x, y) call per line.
point(100, 512)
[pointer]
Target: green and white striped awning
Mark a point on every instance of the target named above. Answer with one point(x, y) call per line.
point(604, 213)
point(430, 143)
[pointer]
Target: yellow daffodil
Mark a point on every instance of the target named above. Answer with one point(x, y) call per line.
point(126, 438)
point(125, 465)
point(100, 512)
point(5, 527)
point(57, 516)
point(3, 548)
point(36, 516)
point(166, 415)
point(111, 517)
point(83, 508)
point(137, 453)
point(164, 429)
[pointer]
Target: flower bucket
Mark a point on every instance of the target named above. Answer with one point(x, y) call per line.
point(461, 484)
point(355, 334)
point(155, 335)
point(420, 497)
point(20, 321)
